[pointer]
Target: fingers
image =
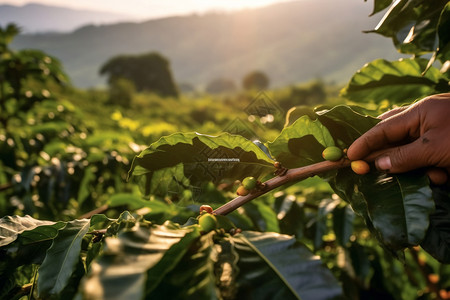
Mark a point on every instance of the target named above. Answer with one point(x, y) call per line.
point(437, 176)
point(396, 128)
point(418, 154)
point(392, 112)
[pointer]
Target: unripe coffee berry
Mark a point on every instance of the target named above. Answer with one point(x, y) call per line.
point(360, 167)
point(242, 191)
point(249, 183)
point(207, 222)
point(332, 153)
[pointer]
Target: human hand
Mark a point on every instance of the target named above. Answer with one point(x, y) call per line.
point(409, 138)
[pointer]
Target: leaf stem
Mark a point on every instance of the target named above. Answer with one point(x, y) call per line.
point(292, 175)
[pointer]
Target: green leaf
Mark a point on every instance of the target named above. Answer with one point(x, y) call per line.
point(262, 216)
point(85, 186)
point(396, 208)
point(274, 266)
point(62, 258)
point(398, 81)
point(326, 206)
point(194, 276)
point(131, 200)
point(12, 226)
point(412, 25)
point(301, 143)
point(345, 123)
point(199, 158)
point(343, 217)
point(156, 210)
point(379, 5)
point(28, 248)
point(443, 52)
point(290, 214)
point(136, 261)
point(438, 234)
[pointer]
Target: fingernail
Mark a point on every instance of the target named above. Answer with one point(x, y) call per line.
point(383, 163)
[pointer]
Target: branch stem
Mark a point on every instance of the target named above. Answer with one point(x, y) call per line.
point(292, 175)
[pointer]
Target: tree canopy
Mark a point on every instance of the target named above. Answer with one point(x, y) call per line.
point(255, 80)
point(149, 72)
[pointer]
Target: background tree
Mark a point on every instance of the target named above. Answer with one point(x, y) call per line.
point(221, 85)
point(148, 72)
point(121, 92)
point(255, 80)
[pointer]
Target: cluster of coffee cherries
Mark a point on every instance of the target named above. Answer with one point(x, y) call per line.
point(334, 153)
point(208, 221)
point(247, 185)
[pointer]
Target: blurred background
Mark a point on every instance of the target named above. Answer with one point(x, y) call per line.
point(87, 85)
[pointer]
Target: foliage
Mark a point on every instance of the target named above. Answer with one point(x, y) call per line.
point(414, 27)
point(148, 72)
point(335, 235)
point(121, 92)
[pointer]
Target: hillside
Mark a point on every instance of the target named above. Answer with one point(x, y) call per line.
point(38, 18)
point(291, 42)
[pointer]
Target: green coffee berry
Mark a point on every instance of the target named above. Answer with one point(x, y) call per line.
point(207, 222)
point(249, 183)
point(332, 153)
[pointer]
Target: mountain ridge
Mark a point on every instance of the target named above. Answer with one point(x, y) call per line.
point(291, 42)
point(41, 18)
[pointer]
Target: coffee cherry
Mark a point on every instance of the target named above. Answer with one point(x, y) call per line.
point(360, 167)
point(249, 183)
point(206, 209)
point(207, 222)
point(242, 191)
point(332, 153)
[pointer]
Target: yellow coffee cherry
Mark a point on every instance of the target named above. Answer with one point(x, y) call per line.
point(360, 167)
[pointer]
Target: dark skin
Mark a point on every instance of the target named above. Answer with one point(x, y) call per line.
point(411, 137)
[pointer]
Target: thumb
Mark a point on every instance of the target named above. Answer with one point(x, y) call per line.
point(403, 158)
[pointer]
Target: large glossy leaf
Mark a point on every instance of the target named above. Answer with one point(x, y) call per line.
point(396, 208)
point(12, 226)
point(194, 276)
point(412, 25)
point(62, 258)
point(199, 158)
point(443, 52)
point(290, 215)
point(343, 224)
point(436, 241)
point(326, 207)
point(379, 5)
point(301, 143)
point(274, 266)
point(136, 261)
point(262, 216)
point(345, 124)
point(398, 81)
point(29, 247)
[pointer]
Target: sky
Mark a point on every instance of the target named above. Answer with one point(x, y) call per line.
point(152, 8)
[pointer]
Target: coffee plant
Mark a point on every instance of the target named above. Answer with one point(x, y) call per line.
point(308, 227)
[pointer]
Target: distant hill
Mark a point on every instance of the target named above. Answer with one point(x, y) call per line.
point(291, 42)
point(34, 18)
